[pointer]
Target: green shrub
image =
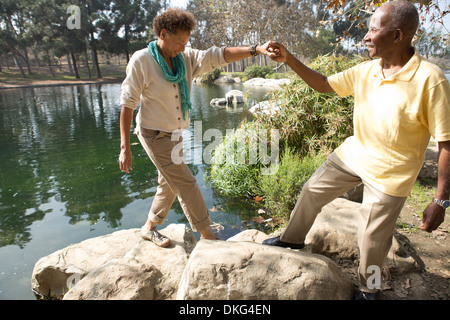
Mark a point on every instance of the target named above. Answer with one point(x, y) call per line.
point(210, 77)
point(281, 190)
point(257, 72)
point(310, 125)
point(309, 121)
point(240, 176)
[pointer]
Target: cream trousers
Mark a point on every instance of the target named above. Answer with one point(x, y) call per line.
point(175, 181)
point(377, 218)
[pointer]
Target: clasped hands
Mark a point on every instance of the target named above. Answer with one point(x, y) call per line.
point(274, 50)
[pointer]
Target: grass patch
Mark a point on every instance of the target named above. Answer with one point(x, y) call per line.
point(422, 194)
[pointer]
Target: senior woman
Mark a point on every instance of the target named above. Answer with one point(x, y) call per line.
point(160, 78)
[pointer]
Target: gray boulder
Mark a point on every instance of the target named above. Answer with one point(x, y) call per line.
point(234, 97)
point(227, 270)
point(94, 268)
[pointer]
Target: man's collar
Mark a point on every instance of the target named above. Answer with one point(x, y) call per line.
point(406, 73)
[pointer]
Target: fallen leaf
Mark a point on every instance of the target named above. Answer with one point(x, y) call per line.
point(258, 198)
point(214, 209)
point(258, 219)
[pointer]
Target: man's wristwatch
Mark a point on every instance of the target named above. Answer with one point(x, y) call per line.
point(443, 203)
point(253, 50)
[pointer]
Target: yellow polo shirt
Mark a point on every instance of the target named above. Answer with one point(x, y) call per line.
point(394, 119)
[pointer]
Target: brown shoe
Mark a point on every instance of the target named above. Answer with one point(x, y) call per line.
point(155, 237)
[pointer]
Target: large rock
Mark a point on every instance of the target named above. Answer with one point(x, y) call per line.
point(244, 270)
point(118, 279)
point(224, 79)
point(51, 274)
point(234, 97)
point(334, 234)
point(250, 236)
point(269, 107)
point(430, 166)
point(267, 83)
point(122, 266)
point(93, 268)
point(218, 102)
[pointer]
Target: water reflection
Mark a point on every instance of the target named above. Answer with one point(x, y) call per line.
point(60, 182)
point(55, 145)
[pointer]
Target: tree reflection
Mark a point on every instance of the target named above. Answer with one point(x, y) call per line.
point(59, 150)
point(62, 142)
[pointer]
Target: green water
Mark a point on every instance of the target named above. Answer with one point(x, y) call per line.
point(60, 182)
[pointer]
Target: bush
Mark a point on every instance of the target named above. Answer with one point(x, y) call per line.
point(257, 72)
point(210, 77)
point(239, 177)
point(310, 124)
point(282, 189)
point(309, 121)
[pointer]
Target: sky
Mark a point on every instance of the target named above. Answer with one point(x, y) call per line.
point(179, 3)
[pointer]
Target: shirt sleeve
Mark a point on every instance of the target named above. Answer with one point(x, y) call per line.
point(343, 83)
point(436, 113)
point(206, 60)
point(133, 85)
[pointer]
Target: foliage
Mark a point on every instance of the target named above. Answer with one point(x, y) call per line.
point(282, 189)
point(310, 125)
point(30, 29)
point(233, 171)
point(257, 72)
point(209, 77)
point(41, 26)
point(242, 23)
point(309, 121)
point(352, 15)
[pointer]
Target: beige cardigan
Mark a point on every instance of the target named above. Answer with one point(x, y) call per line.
point(160, 100)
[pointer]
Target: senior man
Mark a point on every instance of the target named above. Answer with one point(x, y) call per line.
point(401, 100)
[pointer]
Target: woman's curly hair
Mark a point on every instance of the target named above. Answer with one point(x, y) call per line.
point(174, 20)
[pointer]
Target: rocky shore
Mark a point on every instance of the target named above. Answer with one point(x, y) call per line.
point(122, 266)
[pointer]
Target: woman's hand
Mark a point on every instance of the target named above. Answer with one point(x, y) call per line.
point(126, 160)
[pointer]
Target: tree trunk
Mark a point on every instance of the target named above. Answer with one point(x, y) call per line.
point(50, 63)
point(27, 60)
point(18, 64)
point(126, 44)
point(69, 63)
point(94, 51)
point(87, 63)
point(74, 60)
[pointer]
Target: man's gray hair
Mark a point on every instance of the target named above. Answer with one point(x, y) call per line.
point(405, 16)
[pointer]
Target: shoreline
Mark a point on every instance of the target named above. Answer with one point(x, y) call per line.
point(75, 82)
point(57, 83)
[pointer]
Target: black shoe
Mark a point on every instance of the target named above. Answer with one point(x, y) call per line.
point(366, 296)
point(278, 243)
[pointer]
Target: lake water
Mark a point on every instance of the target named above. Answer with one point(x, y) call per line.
point(60, 182)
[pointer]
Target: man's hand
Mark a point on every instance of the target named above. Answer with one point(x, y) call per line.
point(433, 216)
point(266, 49)
point(126, 160)
point(277, 51)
